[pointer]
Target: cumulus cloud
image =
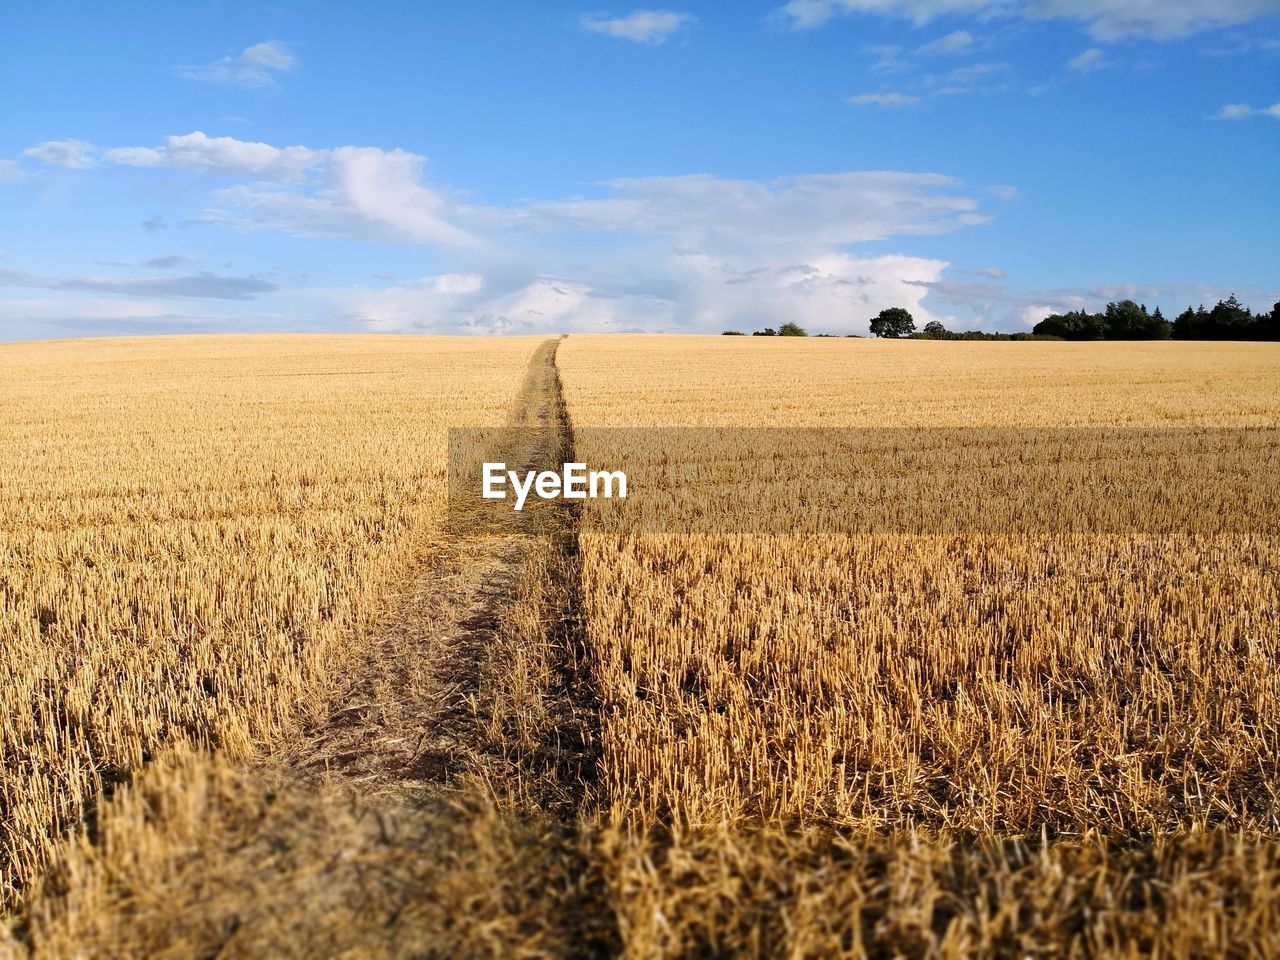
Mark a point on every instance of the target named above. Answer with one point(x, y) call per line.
point(1105, 19)
point(685, 252)
point(697, 253)
point(223, 156)
point(74, 154)
point(202, 285)
point(693, 291)
point(892, 100)
point(255, 66)
point(464, 303)
point(956, 42)
point(702, 253)
point(639, 26)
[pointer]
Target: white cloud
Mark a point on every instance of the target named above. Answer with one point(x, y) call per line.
point(75, 154)
point(1161, 19)
point(835, 293)
point(956, 42)
point(800, 211)
point(135, 156)
point(224, 156)
point(994, 272)
point(1033, 313)
point(255, 66)
point(892, 100)
point(362, 192)
point(1004, 192)
point(462, 303)
point(888, 58)
point(973, 78)
point(1241, 111)
point(640, 26)
point(1088, 61)
point(695, 252)
point(1105, 19)
point(699, 253)
point(10, 171)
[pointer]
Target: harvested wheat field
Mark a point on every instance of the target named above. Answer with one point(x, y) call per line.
point(260, 700)
point(991, 741)
point(192, 529)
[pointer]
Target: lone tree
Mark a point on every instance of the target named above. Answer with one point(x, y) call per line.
point(934, 330)
point(893, 322)
point(790, 329)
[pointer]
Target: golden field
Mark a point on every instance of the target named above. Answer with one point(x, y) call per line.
point(191, 528)
point(919, 703)
point(934, 744)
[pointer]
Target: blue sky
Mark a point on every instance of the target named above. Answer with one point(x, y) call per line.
point(524, 168)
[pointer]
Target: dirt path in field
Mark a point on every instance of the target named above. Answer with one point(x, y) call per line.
point(413, 717)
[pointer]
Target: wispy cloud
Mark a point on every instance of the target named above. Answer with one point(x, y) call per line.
point(169, 262)
point(888, 58)
point(892, 100)
point(1087, 61)
point(1238, 44)
point(1242, 111)
point(255, 66)
point(362, 192)
point(640, 26)
point(1105, 19)
point(831, 209)
point(956, 42)
point(202, 285)
point(10, 171)
point(74, 154)
point(993, 272)
point(983, 76)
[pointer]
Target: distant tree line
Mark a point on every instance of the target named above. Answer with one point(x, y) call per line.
point(1228, 320)
point(1124, 320)
point(897, 322)
point(933, 330)
point(786, 330)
